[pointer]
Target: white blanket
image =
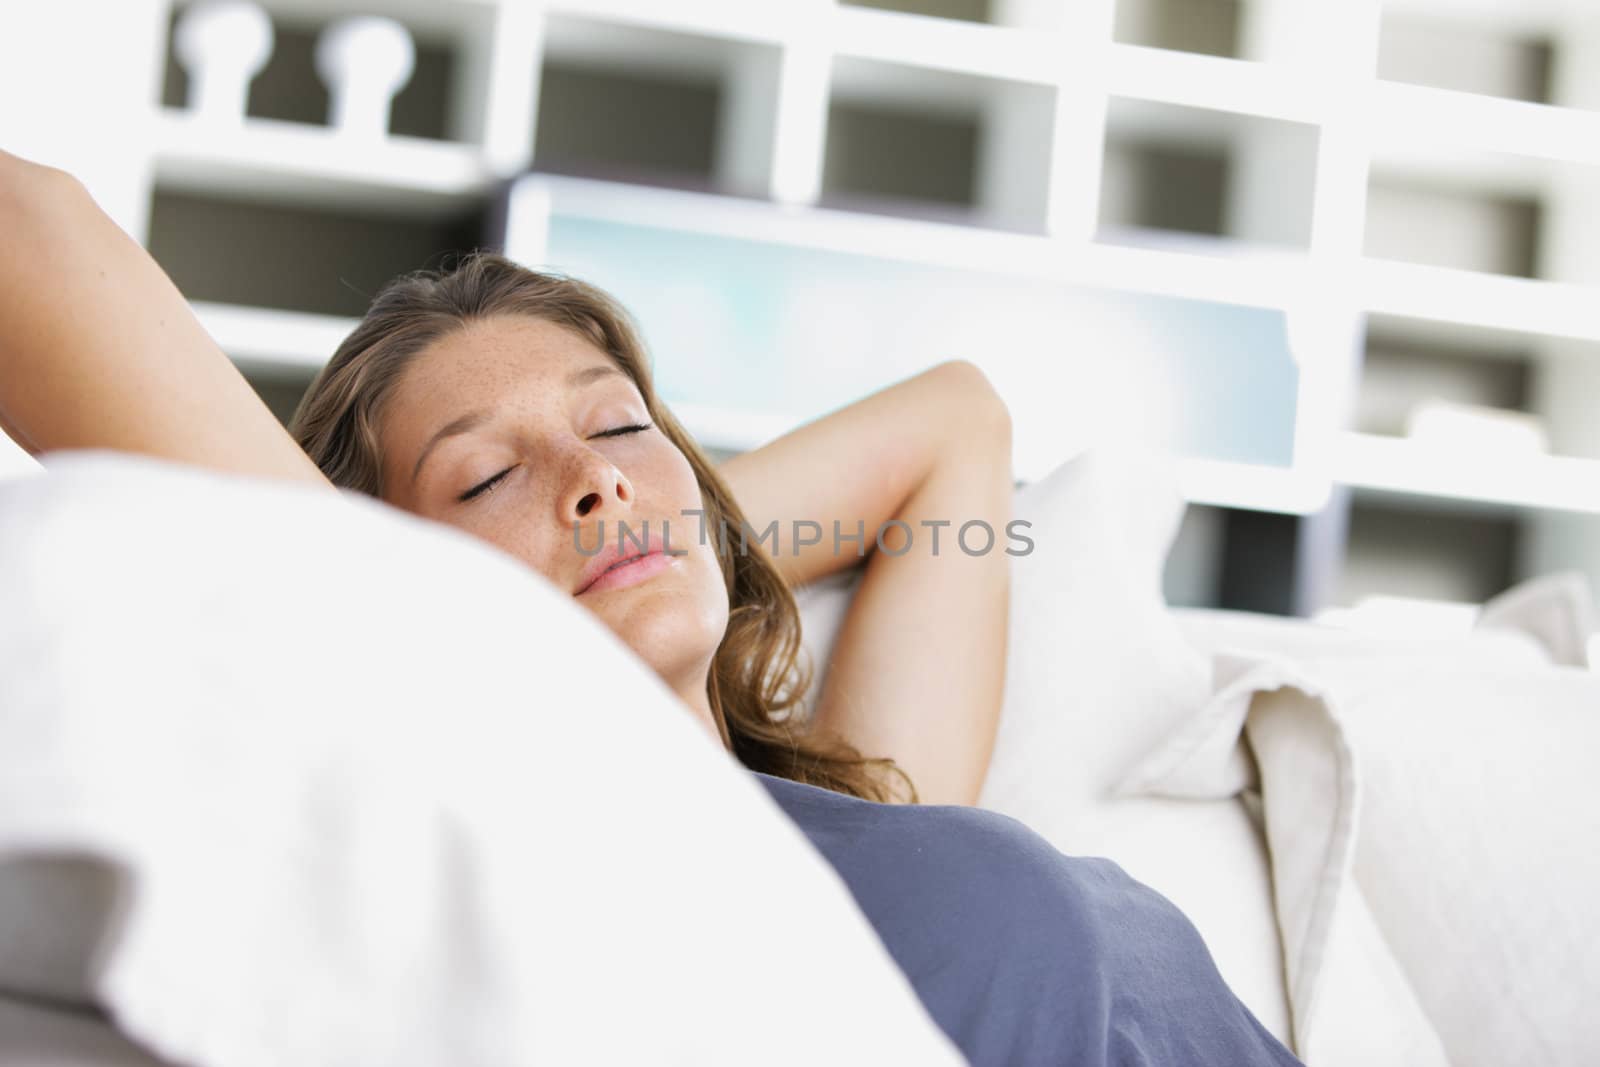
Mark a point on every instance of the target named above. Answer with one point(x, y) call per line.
point(360, 789)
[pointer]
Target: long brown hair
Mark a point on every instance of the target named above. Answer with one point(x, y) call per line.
point(757, 678)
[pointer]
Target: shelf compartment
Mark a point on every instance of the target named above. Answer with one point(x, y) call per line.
point(1490, 212)
point(1417, 224)
point(1465, 56)
point(1439, 554)
point(1186, 170)
point(898, 161)
point(294, 258)
point(669, 97)
point(1461, 339)
point(1399, 374)
point(913, 140)
point(1191, 575)
point(1452, 170)
point(1204, 27)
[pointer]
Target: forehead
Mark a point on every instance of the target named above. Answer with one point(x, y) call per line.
point(490, 355)
point(487, 365)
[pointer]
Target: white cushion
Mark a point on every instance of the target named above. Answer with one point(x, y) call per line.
point(1478, 848)
point(375, 793)
point(1097, 674)
point(1456, 802)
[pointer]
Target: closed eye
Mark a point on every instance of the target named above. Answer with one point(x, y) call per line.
point(620, 430)
point(485, 487)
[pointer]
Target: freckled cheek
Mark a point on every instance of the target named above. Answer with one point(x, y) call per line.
point(666, 482)
point(518, 535)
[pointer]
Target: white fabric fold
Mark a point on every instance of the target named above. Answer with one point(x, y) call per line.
point(1422, 815)
point(1270, 727)
point(1311, 799)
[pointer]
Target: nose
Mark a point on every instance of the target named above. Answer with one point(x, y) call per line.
point(595, 489)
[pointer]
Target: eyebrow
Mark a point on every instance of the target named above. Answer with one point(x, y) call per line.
point(474, 419)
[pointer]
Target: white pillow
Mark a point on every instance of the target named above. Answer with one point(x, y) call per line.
point(1455, 801)
point(1480, 848)
point(373, 792)
point(1557, 610)
point(1096, 675)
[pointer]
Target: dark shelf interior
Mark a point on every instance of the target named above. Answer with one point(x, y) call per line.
point(1450, 228)
point(1397, 375)
point(296, 257)
point(1175, 189)
point(1207, 27)
point(1465, 57)
point(656, 128)
point(882, 156)
point(1395, 550)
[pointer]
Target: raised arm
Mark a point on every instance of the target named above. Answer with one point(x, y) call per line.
point(918, 672)
point(98, 349)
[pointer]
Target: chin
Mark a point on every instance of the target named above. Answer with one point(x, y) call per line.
point(670, 630)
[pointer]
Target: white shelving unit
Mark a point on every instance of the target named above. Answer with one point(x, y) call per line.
point(283, 162)
point(1261, 154)
point(1496, 485)
point(273, 341)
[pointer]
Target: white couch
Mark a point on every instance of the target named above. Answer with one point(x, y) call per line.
point(1279, 780)
point(1376, 833)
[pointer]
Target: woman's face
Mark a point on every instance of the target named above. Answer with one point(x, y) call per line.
point(552, 419)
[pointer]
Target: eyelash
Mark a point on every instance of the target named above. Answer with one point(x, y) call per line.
point(486, 487)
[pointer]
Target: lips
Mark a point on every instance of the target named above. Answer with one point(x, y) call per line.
point(613, 556)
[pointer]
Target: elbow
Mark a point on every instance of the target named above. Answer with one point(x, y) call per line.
point(980, 408)
point(31, 190)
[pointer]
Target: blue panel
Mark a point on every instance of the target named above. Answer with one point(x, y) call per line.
point(760, 327)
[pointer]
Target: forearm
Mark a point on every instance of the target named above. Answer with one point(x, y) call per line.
point(918, 671)
point(856, 467)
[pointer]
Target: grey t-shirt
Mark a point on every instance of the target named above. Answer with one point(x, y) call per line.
point(1024, 955)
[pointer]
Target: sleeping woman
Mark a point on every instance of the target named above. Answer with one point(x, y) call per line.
point(518, 406)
